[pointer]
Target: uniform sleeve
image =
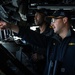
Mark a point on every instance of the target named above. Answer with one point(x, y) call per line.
point(33, 37)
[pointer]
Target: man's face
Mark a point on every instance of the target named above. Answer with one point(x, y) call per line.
point(39, 19)
point(57, 24)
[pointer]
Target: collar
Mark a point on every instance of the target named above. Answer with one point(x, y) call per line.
point(69, 33)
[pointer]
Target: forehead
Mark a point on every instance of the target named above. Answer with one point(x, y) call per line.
point(39, 13)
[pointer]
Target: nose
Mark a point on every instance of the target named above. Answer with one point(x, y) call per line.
point(52, 24)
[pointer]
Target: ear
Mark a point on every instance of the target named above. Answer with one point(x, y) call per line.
point(65, 19)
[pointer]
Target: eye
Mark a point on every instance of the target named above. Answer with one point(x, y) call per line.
point(53, 20)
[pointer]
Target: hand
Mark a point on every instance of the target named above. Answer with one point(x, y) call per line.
point(34, 57)
point(3, 25)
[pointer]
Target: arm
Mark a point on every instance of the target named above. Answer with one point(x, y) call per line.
point(27, 34)
point(4, 25)
point(33, 37)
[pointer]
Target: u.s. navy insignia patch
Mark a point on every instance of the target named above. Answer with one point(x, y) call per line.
point(71, 43)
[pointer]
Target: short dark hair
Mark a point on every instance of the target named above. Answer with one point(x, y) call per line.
point(42, 10)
